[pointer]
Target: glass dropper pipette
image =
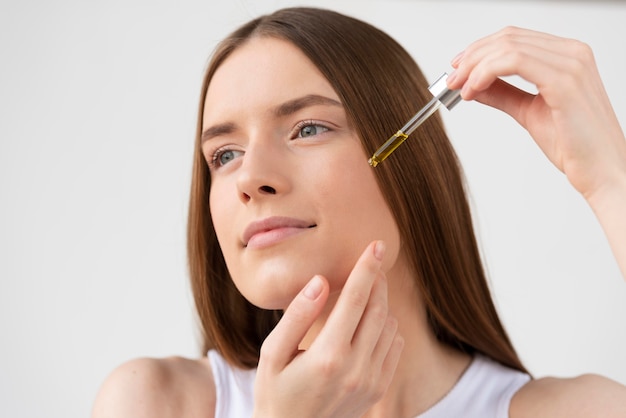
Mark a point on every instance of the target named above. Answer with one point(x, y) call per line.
point(442, 96)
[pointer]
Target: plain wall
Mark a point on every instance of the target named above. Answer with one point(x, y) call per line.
point(97, 117)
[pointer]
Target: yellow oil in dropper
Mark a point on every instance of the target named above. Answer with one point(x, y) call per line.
point(387, 148)
point(443, 96)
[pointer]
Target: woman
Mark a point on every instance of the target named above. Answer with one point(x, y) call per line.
point(328, 288)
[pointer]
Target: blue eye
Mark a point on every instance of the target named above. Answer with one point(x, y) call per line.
point(311, 130)
point(224, 156)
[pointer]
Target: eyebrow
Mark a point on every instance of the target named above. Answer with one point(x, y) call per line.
point(217, 130)
point(292, 106)
point(282, 110)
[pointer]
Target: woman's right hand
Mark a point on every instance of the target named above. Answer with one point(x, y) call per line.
point(351, 362)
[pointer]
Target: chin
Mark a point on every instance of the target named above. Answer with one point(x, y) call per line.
point(271, 301)
point(272, 291)
point(274, 282)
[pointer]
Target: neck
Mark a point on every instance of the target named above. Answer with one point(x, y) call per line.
point(427, 369)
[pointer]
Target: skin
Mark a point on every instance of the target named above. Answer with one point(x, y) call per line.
point(570, 119)
point(347, 319)
point(275, 171)
point(351, 337)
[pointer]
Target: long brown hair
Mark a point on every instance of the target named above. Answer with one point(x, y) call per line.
point(381, 87)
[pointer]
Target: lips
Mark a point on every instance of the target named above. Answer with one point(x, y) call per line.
point(273, 229)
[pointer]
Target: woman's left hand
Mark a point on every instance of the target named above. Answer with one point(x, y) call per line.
point(571, 118)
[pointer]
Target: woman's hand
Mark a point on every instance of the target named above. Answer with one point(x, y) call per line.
point(570, 118)
point(351, 362)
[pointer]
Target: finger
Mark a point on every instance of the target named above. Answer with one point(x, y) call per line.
point(346, 315)
point(391, 361)
point(533, 63)
point(384, 343)
point(518, 35)
point(373, 321)
point(281, 345)
point(541, 59)
point(506, 38)
point(507, 98)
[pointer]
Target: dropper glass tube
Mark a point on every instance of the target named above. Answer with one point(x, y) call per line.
point(442, 96)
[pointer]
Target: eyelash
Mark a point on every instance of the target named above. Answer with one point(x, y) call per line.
point(215, 158)
point(305, 123)
point(214, 161)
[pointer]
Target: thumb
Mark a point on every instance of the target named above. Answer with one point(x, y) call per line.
point(281, 345)
point(507, 98)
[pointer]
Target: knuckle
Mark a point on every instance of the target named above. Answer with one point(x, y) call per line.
point(583, 54)
point(508, 44)
point(352, 384)
point(329, 366)
point(510, 31)
point(379, 312)
point(296, 314)
point(398, 343)
point(571, 78)
point(378, 392)
point(266, 354)
point(580, 48)
point(509, 40)
point(506, 34)
point(357, 298)
point(392, 324)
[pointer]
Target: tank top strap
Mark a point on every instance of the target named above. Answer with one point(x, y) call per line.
point(484, 390)
point(234, 388)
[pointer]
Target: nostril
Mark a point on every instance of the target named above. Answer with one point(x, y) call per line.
point(267, 189)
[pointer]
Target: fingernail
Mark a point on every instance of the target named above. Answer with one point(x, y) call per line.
point(465, 90)
point(457, 58)
point(379, 250)
point(451, 77)
point(314, 288)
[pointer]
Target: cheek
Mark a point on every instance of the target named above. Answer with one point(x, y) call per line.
point(221, 205)
point(359, 213)
point(355, 194)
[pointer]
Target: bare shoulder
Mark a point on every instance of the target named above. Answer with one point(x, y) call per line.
point(588, 395)
point(162, 388)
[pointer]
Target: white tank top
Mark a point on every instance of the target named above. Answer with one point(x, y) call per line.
point(484, 390)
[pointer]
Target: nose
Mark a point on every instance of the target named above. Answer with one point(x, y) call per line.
point(263, 173)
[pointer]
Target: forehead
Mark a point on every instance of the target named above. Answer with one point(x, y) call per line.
point(263, 72)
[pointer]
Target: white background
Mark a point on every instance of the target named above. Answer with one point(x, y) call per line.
point(97, 117)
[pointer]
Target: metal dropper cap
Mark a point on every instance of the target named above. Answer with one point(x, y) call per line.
point(439, 89)
point(442, 96)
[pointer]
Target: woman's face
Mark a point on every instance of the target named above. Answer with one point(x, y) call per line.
point(292, 194)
